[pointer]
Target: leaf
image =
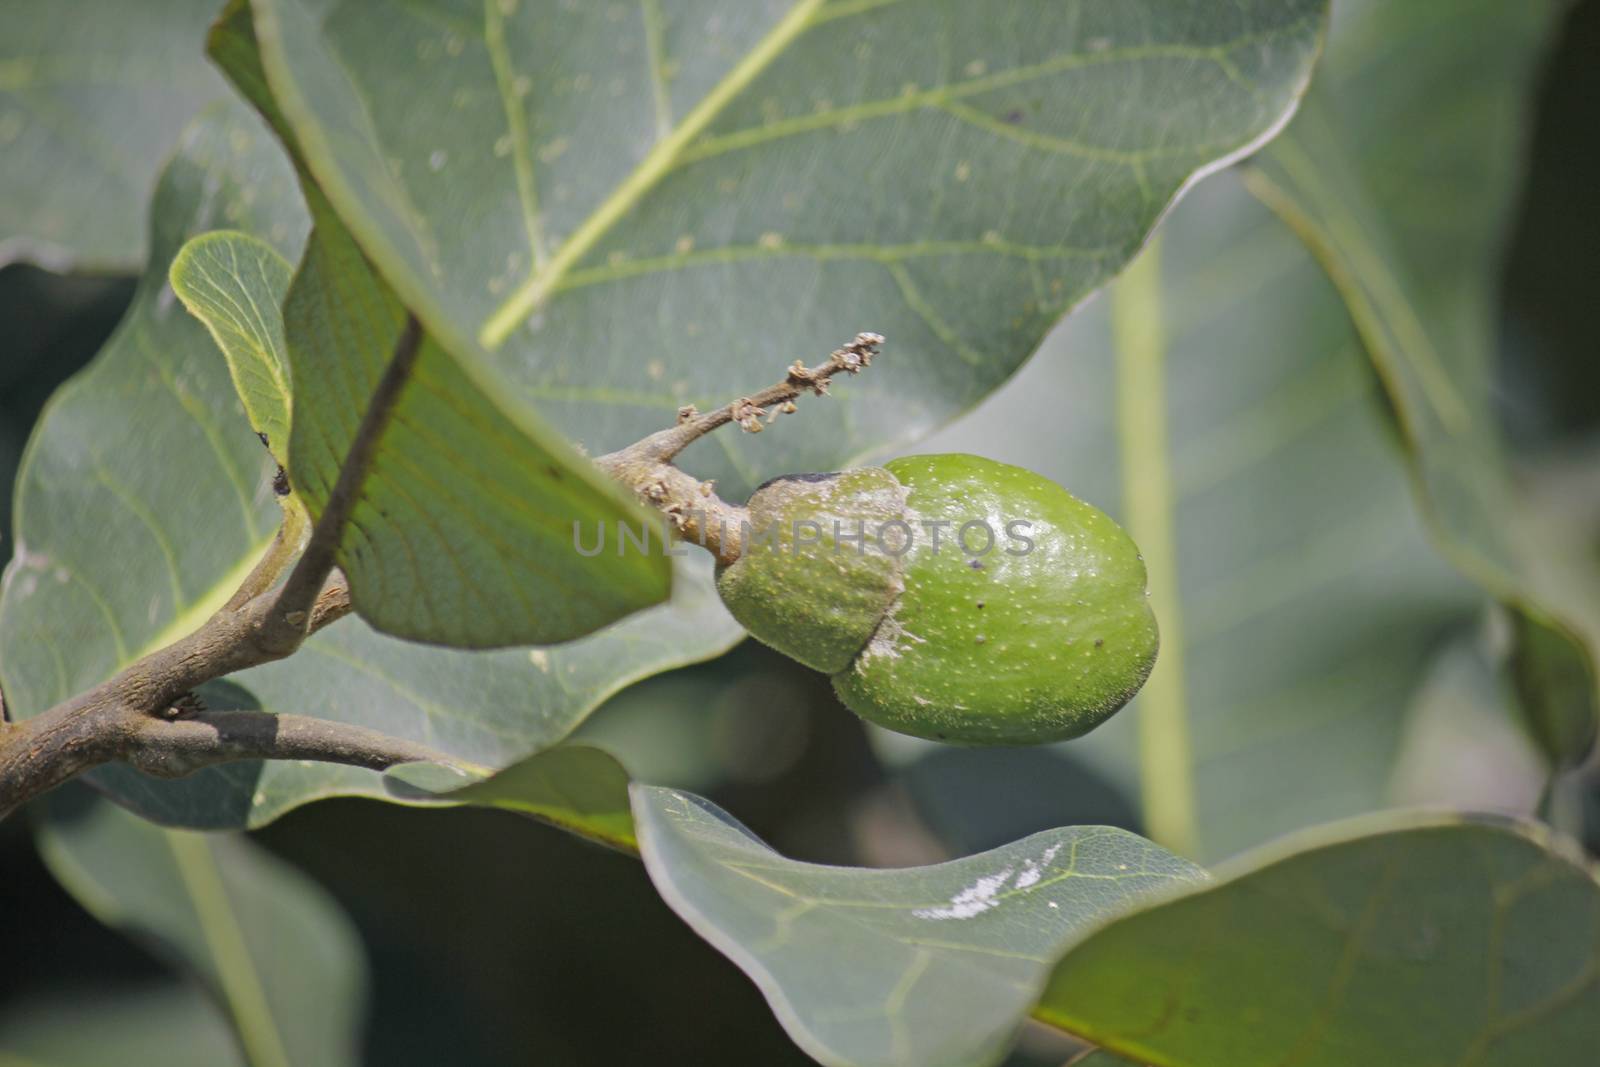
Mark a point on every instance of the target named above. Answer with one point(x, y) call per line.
point(928, 965)
point(1405, 942)
point(633, 208)
point(1421, 284)
point(575, 787)
point(90, 107)
point(170, 1024)
point(152, 442)
point(273, 947)
point(235, 284)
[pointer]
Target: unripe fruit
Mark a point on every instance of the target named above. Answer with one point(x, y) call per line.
point(994, 608)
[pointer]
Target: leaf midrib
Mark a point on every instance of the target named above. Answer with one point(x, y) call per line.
point(1139, 343)
point(236, 967)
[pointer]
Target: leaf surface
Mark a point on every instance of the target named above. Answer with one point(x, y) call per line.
point(1420, 276)
point(272, 946)
point(691, 196)
point(1392, 945)
point(929, 965)
point(91, 105)
point(236, 284)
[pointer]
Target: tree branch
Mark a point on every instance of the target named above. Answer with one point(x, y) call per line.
point(113, 721)
point(172, 749)
point(646, 466)
point(146, 716)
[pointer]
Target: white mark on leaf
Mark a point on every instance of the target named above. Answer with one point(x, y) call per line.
point(976, 899)
point(1033, 870)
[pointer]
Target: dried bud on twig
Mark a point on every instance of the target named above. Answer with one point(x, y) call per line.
point(748, 415)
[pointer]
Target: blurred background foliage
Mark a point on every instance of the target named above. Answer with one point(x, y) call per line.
point(493, 940)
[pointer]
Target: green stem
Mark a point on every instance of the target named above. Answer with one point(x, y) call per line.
point(1165, 760)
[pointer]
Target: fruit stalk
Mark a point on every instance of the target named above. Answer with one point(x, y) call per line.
point(692, 505)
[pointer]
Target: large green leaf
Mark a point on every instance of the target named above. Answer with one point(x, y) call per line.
point(1438, 942)
point(270, 944)
point(1411, 231)
point(637, 207)
point(929, 965)
point(152, 443)
point(92, 100)
point(1306, 600)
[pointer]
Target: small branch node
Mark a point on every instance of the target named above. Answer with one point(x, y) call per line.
point(748, 414)
point(185, 707)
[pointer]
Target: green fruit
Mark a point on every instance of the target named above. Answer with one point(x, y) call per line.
point(819, 603)
point(993, 608)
